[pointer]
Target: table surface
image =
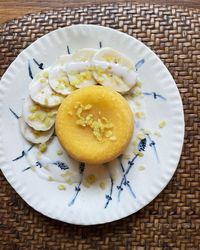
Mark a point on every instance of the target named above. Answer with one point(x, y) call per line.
point(12, 8)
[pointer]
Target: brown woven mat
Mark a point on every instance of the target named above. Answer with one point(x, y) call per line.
point(172, 220)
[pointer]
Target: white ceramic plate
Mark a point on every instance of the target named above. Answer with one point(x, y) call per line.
point(129, 186)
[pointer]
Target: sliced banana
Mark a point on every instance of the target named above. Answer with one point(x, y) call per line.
point(63, 59)
point(114, 76)
point(37, 117)
point(80, 72)
point(59, 81)
point(32, 135)
point(58, 77)
point(84, 55)
point(112, 69)
point(112, 56)
point(72, 71)
point(40, 91)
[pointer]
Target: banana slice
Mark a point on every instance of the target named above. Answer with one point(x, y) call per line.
point(37, 117)
point(61, 60)
point(59, 81)
point(32, 135)
point(80, 72)
point(72, 71)
point(114, 76)
point(83, 55)
point(112, 69)
point(112, 56)
point(58, 77)
point(40, 91)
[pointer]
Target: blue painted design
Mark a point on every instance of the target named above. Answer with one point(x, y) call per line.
point(82, 167)
point(109, 196)
point(100, 44)
point(60, 164)
point(15, 115)
point(77, 188)
point(153, 145)
point(155, 95)
point(40, 65)
point(26, 169)
point(142, 145)
point(126, 182)
point(68, 50)
point(139, 64)
point(29, 70)
point(24, 153)
point(37, 164)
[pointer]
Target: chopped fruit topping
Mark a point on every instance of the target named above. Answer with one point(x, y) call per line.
point(42, 147)
point(42, 81)
point(59, 152)
point(61, 187)
point(157, 133)
point(45, 74)
point(102, 185)
point(141, 168)
point(140, 136)
point(50, 178)
point(91, 179)
point(99, 127)
point(162, 124)
point(126, 156)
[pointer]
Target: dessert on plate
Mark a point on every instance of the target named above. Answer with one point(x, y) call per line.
point(82, 94)
point(94, 124)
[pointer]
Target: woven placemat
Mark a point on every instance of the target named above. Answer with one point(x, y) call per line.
point(172, 220)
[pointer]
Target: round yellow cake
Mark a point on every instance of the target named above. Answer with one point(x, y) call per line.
point(94, 124)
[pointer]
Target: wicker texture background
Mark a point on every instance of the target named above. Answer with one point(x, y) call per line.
point(172, 220)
